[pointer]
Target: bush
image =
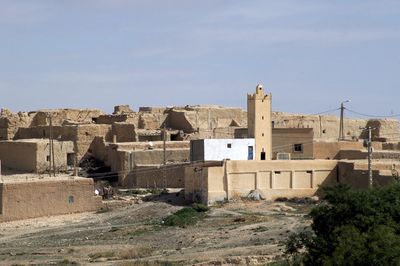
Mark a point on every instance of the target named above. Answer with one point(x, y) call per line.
point(200, 207)
point(185, 216)
point(352, 227)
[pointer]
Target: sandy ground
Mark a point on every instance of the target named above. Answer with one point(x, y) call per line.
point(236, 233)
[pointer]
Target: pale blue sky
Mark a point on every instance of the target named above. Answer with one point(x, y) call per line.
point(310, 54)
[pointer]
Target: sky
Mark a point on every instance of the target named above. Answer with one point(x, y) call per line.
point(310, 54)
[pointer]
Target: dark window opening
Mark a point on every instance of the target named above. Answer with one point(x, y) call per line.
point(174, 137)
point(277, 172)
point(309, 172)
point(324, 131)
point(70, 159)
point(262, 134)
point(262, 156)
point(48, 158)
point(262, 118)
point(71, 199)
point(229, 145)
point(94, 119)
point(298, 147)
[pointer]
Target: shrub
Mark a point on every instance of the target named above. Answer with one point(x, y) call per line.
point(185, 216)
point(352, 227)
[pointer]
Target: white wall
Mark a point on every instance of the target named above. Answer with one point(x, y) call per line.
point(217, 149)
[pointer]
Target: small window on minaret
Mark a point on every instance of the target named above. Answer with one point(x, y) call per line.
point(262, 118)
point(262, 134)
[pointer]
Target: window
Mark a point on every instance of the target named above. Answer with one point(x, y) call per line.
point(70, 159)
point(262, 156)
point(48, 158)
point(262, 134)
point(277, 172)
point(250, 153)
point(71, 199)
point(298, 147)
point(262, 117)
point(229, 145)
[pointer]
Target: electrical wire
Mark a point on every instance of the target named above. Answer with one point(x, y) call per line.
point(368, 115)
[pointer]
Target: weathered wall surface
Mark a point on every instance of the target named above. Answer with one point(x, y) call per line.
point(60, 116)
point(331, 150)
point(284, 139)
point(327, 127)
point(192, 118)
point(22, 200)
point(82, 135)
point(124, 132)
point(123, 158)
point(18, 155)
point(170, 176)
point(32, 155)
point(274, 178)
point(356, 174)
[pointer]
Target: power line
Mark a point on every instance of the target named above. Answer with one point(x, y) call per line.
point(368, 115)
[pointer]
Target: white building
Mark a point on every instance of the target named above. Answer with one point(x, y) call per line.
point(221, 149)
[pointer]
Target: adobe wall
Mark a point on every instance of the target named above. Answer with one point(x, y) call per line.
point(326, 127)
point(283, 140)
point(81, 135)
point(170, 176)
point(22, 200)
point(125, 161)
point(18, 155)
point(32, 155)
point(59, 116)
point(61, 151)
point(274, 178)
point(331, 150)
point(192, 118)
point(124, 132)
point(357, 175)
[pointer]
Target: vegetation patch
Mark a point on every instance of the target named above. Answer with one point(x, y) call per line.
point(186, 216)
point(351, 227)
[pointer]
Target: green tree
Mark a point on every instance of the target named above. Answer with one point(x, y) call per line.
point(352, 227)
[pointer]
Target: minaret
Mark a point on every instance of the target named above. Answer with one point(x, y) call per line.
point(259, 122)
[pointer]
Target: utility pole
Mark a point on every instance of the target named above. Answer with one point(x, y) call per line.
point(50, 153)
point(341, 124)
point(52, 146)
point(369, 146)
point(165, 153)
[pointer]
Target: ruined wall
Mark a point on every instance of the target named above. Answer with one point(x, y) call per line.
point(60, 116)
point(10, 122)
point(124, 132)
point(274, 178)
point(327, 127)
point(22, 200)
point(192, 118)
point(81, 135)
